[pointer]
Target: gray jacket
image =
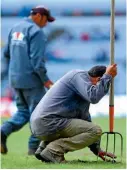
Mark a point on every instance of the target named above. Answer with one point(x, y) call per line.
point(25, 50)
point(69, 98)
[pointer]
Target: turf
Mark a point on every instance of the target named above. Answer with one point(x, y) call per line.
point(17, 157)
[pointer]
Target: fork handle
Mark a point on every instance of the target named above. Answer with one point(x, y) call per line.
point(111, 118)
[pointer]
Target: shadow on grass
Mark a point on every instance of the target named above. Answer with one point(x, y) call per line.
point(91, 162)
point(81, 162)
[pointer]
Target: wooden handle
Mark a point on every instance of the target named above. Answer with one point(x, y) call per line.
point(111, 97)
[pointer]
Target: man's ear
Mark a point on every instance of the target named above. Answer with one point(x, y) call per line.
point(98, 78)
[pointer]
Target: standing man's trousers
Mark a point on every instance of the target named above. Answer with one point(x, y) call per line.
point(26, 101)
point(76, 135)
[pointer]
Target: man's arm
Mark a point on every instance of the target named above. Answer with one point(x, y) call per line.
point(95, 147)
point(6, 51)
point(92, 93)
point(7, 47)
point(37, 49)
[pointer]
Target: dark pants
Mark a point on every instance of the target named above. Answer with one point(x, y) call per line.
point(26, 101)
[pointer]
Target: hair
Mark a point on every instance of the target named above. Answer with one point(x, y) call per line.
point(97, 71)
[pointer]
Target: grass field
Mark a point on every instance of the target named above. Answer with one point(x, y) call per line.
point(17, 157)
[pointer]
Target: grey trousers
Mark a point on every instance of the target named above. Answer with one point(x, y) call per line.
point(77, 135)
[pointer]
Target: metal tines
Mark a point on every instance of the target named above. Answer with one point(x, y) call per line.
point(114, 144)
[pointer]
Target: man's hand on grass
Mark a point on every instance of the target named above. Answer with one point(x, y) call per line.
point(102, 154)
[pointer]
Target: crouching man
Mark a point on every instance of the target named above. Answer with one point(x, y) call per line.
point(62, 120)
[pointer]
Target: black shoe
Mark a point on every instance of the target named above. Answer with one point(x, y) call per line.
point(47, 156)
point(39, 156)
point(3, 145)
point(32, 151)
point(45, 159)
point(40, 149)
point(37, 153)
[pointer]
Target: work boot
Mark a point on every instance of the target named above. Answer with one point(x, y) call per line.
point(48, 156)
point(37, 153)
point(3, 145)
point(40, 149)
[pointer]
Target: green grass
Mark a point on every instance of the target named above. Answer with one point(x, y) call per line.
point(17, 157)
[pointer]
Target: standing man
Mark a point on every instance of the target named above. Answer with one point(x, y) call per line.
point(62, 119)
point(27, 73)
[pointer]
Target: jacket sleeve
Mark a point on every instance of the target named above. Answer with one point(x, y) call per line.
point(37, 50)
point(95, 147)
point(88, 91)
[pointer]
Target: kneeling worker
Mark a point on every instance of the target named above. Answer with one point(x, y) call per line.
point(62, 120)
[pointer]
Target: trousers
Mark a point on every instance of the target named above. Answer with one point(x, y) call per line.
point(26, 101)
point(76, 135)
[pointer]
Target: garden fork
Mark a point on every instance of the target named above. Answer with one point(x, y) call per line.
point(111, 98)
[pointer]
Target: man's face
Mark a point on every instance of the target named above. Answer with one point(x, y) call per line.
point(42, 20)
point(94, 80)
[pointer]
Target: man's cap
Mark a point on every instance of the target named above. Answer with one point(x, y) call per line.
point(43, 11)
point(97, 71)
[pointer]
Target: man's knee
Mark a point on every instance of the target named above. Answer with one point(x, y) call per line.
point(97, 130)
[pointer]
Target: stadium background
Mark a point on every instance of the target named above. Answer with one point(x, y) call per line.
point(78, 39)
